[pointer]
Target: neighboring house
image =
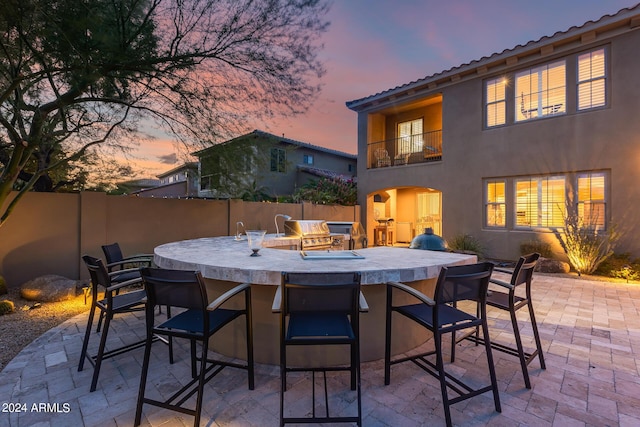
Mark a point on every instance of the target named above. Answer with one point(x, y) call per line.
point(262, 164)
point(136, 185)
point(497, 148)
point(179, 182)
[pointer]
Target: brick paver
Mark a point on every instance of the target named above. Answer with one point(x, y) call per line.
point(590, 332)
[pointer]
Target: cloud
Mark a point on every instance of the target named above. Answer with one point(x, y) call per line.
point(169, 159)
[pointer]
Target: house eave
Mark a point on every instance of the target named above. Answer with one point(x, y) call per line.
point(281, 139)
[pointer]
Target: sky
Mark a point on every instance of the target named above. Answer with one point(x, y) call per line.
point(375, 45)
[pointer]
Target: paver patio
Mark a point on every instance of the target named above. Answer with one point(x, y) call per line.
point(590, 332)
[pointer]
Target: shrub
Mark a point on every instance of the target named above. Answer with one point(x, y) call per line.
point(531, 246)
point(620, 266)
point(328, 191)
point(584, 243)
point(3, 286)
point(6, 307)
point(465, 243)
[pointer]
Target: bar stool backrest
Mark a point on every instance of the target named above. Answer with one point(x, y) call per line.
point(314, 292)
point(112, 253)
point(97, 272)
point(523, 271)
point(176, 288)
point(463, 282)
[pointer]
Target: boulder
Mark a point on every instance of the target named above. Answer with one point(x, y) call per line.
point(548, 265)
point(50, 288)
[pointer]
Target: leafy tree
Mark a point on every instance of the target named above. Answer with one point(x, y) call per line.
point(79, 78)
point(328, 191)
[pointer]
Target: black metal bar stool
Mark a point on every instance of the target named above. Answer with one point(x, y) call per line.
point(441, 316)
point(318, 309)
point(522, 274)
point(197, 323)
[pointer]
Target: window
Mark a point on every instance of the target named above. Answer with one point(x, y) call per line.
point(278, 160)
point(205, 183)
point(591, 199)
point(591, 80)
point(540, 91)
point(495, 207)
point(410, 137)
point(540, 202)
point(496, 102)
point(307, 159)
point(244, 161)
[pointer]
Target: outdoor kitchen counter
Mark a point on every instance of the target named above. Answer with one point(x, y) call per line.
point(225, 262)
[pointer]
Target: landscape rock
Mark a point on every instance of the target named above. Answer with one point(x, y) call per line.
point(547, 265)
point(50, 288)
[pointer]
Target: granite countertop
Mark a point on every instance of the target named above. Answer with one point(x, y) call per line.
point(223, 258)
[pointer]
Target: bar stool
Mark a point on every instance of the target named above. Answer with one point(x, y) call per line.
point(112, 304)
point(522, 274)
point(198, 322)
point(319, 309)
point(440, 316)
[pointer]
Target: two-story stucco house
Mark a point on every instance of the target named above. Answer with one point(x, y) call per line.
point(500, 147)
point(260, 163)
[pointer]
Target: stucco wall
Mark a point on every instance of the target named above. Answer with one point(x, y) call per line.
point(48, 233)
point(603, 139)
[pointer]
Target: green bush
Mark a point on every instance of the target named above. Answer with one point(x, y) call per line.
point(620, 266)
point(531, 246)
point(3, 286)
point(6, 307)
point(465, 243)
point(328, 191)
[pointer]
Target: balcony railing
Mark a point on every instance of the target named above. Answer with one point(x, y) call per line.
point(419, 148)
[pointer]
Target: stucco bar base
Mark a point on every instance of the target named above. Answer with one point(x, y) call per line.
point(266, 329)
point(225, 263)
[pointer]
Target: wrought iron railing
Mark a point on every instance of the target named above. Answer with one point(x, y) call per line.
point(419, 148)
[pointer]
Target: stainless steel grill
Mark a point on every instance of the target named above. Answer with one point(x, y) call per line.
point(358, 237)
point(313, 234)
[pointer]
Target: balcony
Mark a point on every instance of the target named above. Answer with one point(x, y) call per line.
point(420, 148)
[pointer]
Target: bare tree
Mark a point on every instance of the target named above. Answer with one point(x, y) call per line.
point(80, 76)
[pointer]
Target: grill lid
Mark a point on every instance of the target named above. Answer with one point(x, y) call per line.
point(306, 227)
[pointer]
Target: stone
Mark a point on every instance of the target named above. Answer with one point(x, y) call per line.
point(50, 288)
point(548, 265)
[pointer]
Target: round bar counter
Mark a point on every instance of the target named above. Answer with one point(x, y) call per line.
point(225, 262)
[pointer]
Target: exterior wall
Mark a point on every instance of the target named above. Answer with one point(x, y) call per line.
point(600, 139)
point(49, 232)
point(41, 237)
point(284, 184)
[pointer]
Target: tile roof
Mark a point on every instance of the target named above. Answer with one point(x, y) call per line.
point(325, 173)
point(263, 134)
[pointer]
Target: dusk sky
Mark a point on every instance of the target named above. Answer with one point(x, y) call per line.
point(375, 45)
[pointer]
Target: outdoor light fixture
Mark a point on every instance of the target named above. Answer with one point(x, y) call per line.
point(286, 218)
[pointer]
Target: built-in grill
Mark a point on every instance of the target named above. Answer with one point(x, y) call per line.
point(313, 234)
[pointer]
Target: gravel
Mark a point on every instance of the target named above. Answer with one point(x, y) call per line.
point(31, 319)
